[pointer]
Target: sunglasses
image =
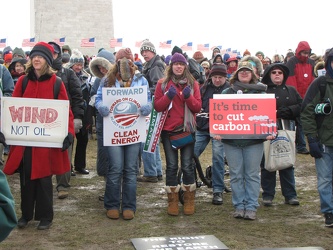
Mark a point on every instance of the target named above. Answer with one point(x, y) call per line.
point(274, 72)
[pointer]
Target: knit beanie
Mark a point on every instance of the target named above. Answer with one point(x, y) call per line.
point(76, 57)
point(205, 64)
point(8, 57)
point(43, 49)
point(124, 53)
point(218, 69)
point(246, 53)
point(198, 56)
point(147, 45)
point(177, 57)
point(176, 49)
point(226, 56)
point(167, 59)
point(65, 57)
point(19, 52)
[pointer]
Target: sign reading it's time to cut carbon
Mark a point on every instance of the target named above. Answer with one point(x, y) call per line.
point(247, 116)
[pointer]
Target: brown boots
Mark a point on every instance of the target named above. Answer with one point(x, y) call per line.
point(173, 199)
point(189, 197)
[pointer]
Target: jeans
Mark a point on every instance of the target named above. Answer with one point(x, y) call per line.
point(121, 177)
point(300, 138)
point(324, 168)
point(202, 138)
point(102, 161)
point(287, 182)
point(171, 157)
point(152, 163)
point(244, 167)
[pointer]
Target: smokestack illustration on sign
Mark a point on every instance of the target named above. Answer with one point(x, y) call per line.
point(263, 125)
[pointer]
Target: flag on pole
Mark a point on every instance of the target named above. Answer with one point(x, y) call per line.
point(166, 44)
point(228, 50)
point(88, 42)
point(116, 42)
point(60, 41)
point(187, 46)
point(3, 42)
point(30, 42)
point(138, 43)
point(203, 47)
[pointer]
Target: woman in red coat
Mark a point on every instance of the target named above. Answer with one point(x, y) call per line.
point(37, 164)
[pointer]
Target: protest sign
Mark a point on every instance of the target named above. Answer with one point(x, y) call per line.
point(34, 122)
point(124, 125)
point(242, 116)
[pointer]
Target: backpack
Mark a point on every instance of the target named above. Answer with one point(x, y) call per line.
point(56, 86)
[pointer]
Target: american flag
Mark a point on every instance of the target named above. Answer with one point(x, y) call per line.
point(138, 43)
point(3, 42)
point(88, 42)
point(60, 41)
point(228, 50)
point(203, 47)
point(30, 42)
point(116, 42)
point(218, 46)
point(166, 44)
point(187, 46)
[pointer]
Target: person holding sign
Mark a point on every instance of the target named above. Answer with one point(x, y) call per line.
point(121, 183)
point(288, 105)
point(37, 164)
point(244, 155)
point(216, 83)
point(179, 94)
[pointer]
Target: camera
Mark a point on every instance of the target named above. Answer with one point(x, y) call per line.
point(324, 108)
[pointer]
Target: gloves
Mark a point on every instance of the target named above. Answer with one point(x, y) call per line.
point(103, 110)
point(284, 113)
point(171, 92)
point(3, 139)
point(145, 109)
point(77, 125)
point(187, 92)
point(315, 146)
point(67, 142)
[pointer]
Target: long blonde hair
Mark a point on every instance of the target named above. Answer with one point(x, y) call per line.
point(46, 70)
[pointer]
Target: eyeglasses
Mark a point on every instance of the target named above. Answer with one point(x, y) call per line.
point(274, 72)
point(205, 68)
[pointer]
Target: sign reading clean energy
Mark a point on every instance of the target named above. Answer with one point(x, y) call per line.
point(34, 122)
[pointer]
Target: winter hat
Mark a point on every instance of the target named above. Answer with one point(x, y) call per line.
point(6, 50)
point(260, 53)
point(176, 49)
point(232, 59)
point(76, 57)
point(218, 69)
point(256, 63)
point(216, 49)
point(8, 58)
point(19, 52)
point(205, 64)
point(246, 53)
point(147, 45)
point(167, 59)
point(65, 57)
point(226, 56)
point(56, 47)
point(244, 65)
point(198, 56)
point(43, 49)
point(177, 57)
point(124, 53)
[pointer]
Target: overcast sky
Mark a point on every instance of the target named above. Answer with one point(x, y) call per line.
point(268, 26)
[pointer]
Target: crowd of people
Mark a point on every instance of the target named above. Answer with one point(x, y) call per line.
point(180, 88)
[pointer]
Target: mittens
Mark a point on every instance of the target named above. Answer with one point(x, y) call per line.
point(315, 146)
point(3, 139)
point(187, 92)
point(103, 110)
point(284, 113)
point(67, 142)
point(77, 125)
point(145, 109)
point(171, 92)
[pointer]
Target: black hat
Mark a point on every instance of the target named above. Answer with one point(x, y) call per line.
point(218, 69)
point(56, 47)
point(43, 49)
point(176, 49)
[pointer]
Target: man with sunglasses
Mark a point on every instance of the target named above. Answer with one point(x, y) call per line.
point(301, 74)
point(288, 105)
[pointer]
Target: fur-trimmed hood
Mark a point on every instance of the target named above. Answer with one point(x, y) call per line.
point(255, 61)
point(105, 59)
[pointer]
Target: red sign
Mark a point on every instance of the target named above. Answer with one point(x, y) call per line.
point(242, 116)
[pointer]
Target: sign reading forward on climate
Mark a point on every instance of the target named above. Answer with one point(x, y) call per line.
point(242, 115)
